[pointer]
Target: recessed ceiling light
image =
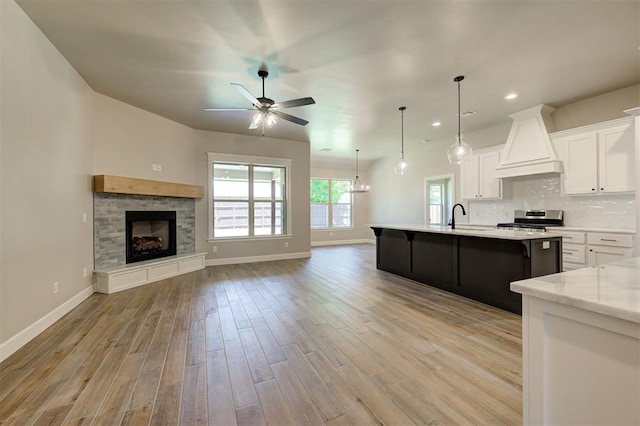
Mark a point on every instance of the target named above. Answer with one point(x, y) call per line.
point(436, 123)
point(511, 96)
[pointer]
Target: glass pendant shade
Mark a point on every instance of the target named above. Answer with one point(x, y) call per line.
point(402, 166)
point(459, 150)
point(270, 119)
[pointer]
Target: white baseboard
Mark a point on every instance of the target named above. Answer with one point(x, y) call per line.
point(341, 242)
point(23, 337)
point(252, 259)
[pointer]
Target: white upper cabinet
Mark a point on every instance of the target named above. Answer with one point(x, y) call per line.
point(598, 159)
point(478, 176)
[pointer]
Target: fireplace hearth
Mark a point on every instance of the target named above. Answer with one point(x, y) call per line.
point(150, 235)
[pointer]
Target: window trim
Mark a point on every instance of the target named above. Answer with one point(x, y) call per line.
point(330, 221)
point(253, 160)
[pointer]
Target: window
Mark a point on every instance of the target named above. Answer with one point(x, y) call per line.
point(438, 191)
point(436, 203)
point(248, 196)
point(330, 203)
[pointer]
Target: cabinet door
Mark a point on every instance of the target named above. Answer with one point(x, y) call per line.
point(581, 163)
point(489, 186)
point(469, 178)
point(599, 255)
point(616, 159)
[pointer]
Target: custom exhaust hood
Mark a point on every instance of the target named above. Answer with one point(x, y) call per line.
point(528, 150)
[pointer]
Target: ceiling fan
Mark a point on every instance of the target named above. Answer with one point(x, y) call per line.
point(268, 111)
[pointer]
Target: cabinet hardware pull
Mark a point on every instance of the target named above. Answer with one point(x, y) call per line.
point(593, 189)
point(566, 252)
point(608, 239)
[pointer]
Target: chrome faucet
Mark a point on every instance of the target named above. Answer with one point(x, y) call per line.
point(453, 214)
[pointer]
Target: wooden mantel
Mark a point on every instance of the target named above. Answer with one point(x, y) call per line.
point(126, 185)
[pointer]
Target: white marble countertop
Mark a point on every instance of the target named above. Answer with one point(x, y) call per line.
point(611, 289)
point(470, 231)
point(565, 228)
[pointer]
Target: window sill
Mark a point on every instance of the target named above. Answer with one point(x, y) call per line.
point(250, 238)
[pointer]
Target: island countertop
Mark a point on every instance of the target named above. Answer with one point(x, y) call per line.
point(471, 231)
point(612, 289)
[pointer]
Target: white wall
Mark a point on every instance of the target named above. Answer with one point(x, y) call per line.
point(45, 181)
point(401, 199)
point(360, 232)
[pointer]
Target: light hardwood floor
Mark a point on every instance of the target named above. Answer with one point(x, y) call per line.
point(327, 340)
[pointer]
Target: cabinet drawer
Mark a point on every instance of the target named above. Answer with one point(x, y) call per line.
point(571, 236)
point(606, 239)
point(573, 253)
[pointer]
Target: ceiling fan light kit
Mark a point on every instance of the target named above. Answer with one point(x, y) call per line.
point(459, 150)
point(268, 113)
point(401, 166)
point(357, 187)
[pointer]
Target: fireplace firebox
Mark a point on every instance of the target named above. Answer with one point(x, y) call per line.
point(150, 235)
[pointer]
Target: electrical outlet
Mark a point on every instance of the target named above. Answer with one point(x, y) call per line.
point(84, 272)
point(214, 249)
point(84, 218)
point(159, 167)
point(55, 287)
point(154, 167)
point(286, 244)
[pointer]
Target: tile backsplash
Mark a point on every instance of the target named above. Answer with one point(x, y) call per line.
point(543, 192)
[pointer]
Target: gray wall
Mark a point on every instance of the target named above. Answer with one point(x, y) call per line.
point(45, 136)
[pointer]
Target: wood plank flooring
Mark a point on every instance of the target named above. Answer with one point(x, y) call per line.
point(327, 340)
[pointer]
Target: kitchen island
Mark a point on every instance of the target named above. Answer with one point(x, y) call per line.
point(476, 263)
point(581, 345)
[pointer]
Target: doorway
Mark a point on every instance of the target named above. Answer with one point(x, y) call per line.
point(438, 199)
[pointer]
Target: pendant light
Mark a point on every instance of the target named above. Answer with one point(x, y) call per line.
point(402, 165)
point(459, 150)
point(358, 187)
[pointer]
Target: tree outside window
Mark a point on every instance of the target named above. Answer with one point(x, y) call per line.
point(331, 205)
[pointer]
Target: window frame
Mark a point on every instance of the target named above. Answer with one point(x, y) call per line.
point(330, 206)
point(251, 161)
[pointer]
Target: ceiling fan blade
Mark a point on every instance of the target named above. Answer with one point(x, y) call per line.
point(290, 118)
point(244, 92)
point(228, 109)
point(294, 103)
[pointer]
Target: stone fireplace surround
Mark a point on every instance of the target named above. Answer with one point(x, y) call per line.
point(112, 197)
point(109, 227)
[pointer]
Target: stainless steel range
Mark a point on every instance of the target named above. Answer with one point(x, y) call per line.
point(534, 220)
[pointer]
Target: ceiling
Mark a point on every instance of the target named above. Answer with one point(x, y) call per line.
point(360, 60)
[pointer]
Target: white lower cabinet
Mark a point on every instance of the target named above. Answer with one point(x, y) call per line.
point(573, 250)
point(582, 248)
point(609, 247)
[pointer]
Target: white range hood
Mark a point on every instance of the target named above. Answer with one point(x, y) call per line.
point(528, 150)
